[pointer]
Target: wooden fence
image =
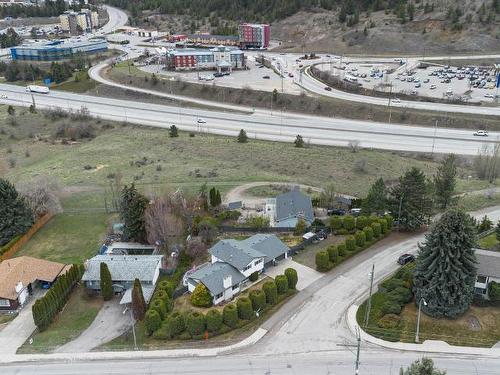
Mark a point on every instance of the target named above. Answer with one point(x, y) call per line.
point(26, 237)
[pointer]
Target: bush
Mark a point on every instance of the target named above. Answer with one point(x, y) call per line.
point(175, 324)
point(230, 315)
point(292, 277)
point(392, 283)
point(368, 233)
point(258, 298)
point(361, 222)
point(350, 243)
point(390, 220)
point(281, 284)
point(195, 323)
point(332, 253)
point(163, 296)
point(335, 223)
point(494, 291)
point(322, 261)
point(377, 229)
point(271, 292)
point(254, 276)
point(159, 306)
point(389, 321)
point(400, 295)
point(360, 238)
point(152, 321)
point(390, 307)
point(214, 320)
point(341, 249)
point(167, 286)
point(383, 226)
point(348, 223)
point(201, 296)
point(244, 306)
point(372, 219)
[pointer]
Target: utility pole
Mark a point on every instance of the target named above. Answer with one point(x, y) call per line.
point(358, 334)
point(369, 306)
point(434, 138)
point(390, 109)
point(399, 211)
point(133, 330)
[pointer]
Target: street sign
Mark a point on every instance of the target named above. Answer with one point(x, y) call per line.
point(498, 81)
point(47, 81)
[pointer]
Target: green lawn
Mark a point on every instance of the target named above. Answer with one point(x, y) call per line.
point(83, 84)
point(488, 242)
point(77, 315)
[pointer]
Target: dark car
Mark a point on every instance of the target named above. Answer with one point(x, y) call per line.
point(405, 259)
point(335, 211)
point(328, 88)
point(218, 74)
point(266, 77)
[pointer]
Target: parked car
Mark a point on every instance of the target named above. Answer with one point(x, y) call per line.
point(481, 133)
point(335, 212)
point(355, 211)
point(433, 87)
point(405, 259)
point(218, 74)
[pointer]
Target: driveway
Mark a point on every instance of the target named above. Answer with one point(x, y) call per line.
point(306, 275)
point(109, 323)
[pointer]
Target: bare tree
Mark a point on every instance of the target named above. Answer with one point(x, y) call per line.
point(42, 195)
point(196, 248)
point(486, 163)
point(327, 197)
point(162, 223)
point(354, 145)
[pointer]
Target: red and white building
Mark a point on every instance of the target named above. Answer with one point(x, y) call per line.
point(254, 35)
point(219, 58)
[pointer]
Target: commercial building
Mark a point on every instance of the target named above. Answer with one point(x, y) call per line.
point(219, 58)
point(213, 40)
point(57, 50)
point(77, 22)
point(252, 35)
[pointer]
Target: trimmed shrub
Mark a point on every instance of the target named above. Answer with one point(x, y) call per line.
point(372, 219)
point(348, 223)
point(244, 306)
point(361, 222)
point(390, 307)
point(401, 295)
point(201, 296)
point(392, 283)
point(333, 253)
point(271, 292)
point(254, 276)
point(350, 243)
point(390, 221)
point(258, 298)
point(341, 249)
point(335, 223)
point(195, 323)
point(494, 291)
point(214, 320)
point(152, 320)
point(230, 315)
point(281, 284)
point(292, 277)
point(175, 324)
point(389, 321)
point(167, 286)
point(377, 229)
point(368, 233)
point(322, 261)
point(360, 238)
point(159, 306)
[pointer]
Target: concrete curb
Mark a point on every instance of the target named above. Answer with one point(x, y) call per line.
point(153, 354)
point(428, 346)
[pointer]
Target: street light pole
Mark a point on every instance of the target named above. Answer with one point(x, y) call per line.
point(358, 334)
point(418, 318)
point(133, 330)
point(369, 306)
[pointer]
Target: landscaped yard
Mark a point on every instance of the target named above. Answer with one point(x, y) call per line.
point(76, 316)
point(488, 242)
point(307, 257)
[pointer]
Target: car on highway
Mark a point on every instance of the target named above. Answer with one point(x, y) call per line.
point(266, 77)
point(4, 96)
point(481, 133)
point(290, 75)
point(396, 100)
point(201, 121)
point(405, 259)
point(328, 88)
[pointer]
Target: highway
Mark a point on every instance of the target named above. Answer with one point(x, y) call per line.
point(261, 124)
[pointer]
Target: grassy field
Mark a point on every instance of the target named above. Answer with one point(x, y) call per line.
point(267, 191)
point(474, 202)
point(489, 242)
point(76, 316)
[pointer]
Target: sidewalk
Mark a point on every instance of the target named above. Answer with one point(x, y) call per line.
point(428, 346)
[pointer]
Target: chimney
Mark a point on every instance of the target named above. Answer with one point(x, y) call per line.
point(227, 282)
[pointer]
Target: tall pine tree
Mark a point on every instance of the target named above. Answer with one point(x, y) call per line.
point(445, 180)
point(138, 303)
point(106, 282)
point(132, 206)
point(445, 270)
point(15, 215)
point(376, 200)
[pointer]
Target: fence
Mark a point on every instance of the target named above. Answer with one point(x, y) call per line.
point(26, 237)
point(231, 229)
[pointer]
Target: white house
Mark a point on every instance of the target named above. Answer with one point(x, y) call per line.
point(488, 270)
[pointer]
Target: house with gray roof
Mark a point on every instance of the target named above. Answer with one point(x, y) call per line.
point(124, 269)
point(232, 263)
point(286, 209)
point(488, 270)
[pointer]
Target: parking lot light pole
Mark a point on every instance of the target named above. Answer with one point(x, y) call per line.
point(418, 318)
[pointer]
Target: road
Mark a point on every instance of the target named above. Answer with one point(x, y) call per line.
point(261, 124)
point(117, 18)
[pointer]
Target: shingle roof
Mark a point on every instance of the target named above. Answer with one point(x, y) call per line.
point(26, 270)
point(147, 292)
point(294, 204)
point(123, 267)
point(488, 263)
point(236, 253)
point(267, 244)
point(212, 276)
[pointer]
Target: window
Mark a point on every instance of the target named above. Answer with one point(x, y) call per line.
point(481, 279)
point(247, 267)
point(218, 296)
point(235, 287)
point(259, 261)
point(4, 302)
point(479, 291)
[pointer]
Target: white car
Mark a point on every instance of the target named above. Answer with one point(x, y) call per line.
point(485, 95)
point(481, 133)
point(4, 96)
point(201, 121)
point(433, 87)
point(396, 100)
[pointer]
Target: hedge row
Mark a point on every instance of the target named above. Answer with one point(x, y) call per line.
point(162, 323)
point(376, 228)
point(349, 224)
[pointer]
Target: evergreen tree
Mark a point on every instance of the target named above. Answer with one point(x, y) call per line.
point(299, 141)
point(138, 303)
point(106, 282)
point(376, 200)
point(425, 366)
point(242, 136)
point(445, 180)
point(410, 200)
point(132, 206)
point(15, 215)
point(173, 131)
point(445, 270)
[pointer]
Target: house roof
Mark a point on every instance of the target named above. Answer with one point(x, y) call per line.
point(212, 276)
point(123, 267)
point(488, 263)
point(26, 270)
point(147, 292)
point(267, 244)
point(236, 253)
point(294, 204)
